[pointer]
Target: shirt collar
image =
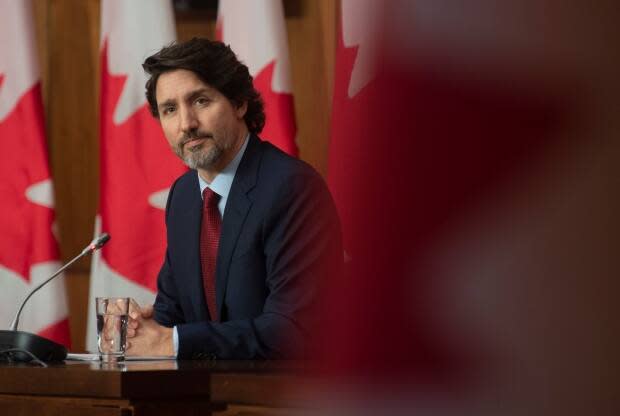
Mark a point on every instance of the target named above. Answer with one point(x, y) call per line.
point(223, 181)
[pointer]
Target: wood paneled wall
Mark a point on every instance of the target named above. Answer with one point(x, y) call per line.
point(68, 42)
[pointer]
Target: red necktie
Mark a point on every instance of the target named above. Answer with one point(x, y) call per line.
point(209, 241)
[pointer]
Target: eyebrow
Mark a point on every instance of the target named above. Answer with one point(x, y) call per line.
point(190, 96)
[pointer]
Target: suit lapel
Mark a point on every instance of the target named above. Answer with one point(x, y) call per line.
point(193, 279)
point(236, 211)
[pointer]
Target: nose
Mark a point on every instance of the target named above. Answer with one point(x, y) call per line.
point(188, 119)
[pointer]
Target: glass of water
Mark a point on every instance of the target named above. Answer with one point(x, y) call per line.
point(112, 317)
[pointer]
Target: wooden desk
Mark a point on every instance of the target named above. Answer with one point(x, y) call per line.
point(155, 388)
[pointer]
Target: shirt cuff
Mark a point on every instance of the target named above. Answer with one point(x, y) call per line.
point(175, 341)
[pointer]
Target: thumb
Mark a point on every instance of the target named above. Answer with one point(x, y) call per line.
point(147, 312)
point(134, 308)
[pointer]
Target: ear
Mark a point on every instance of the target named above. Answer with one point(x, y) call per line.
point(242, 109)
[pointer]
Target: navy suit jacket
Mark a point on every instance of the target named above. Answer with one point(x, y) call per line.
point(280, 241)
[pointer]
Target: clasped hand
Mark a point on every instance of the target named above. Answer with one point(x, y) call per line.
point(145, 337)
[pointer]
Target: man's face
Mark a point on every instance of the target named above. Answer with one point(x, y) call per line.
point(202, 126)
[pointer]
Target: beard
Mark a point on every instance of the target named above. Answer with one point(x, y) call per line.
point(197, 157)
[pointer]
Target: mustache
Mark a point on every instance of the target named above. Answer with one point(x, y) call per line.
point(194, 134)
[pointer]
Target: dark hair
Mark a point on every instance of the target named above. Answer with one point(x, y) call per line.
point(216, 65)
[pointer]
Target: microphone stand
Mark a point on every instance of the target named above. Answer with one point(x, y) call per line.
point(22, 346)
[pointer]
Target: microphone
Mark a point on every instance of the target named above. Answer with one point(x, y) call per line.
point(42, 348)
point(96, 244)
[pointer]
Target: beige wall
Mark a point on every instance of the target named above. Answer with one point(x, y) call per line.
point(68, 41)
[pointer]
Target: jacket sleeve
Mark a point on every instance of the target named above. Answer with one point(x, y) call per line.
point(167, 310)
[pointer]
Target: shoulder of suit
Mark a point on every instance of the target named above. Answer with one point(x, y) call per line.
point(188, 179)
point(276, 162)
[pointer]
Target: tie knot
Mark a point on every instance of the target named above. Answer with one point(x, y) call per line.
point(210, 197)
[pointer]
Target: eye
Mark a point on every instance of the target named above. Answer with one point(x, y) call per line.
point(202, 101)
point(168, 110)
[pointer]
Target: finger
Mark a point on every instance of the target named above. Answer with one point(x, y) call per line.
point(113, 309)
point(134, 308)
point(131, 349)
point(108, 328)
point(131, 332)
point(133, 324)
point(135, 312)
point(147, 312)
point(122, 306)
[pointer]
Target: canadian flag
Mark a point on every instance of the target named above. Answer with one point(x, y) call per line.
point(256, 32)
point(437, 165)
point(355, 73)
point(137, 166)
point(28, 249)
point(355, 167)
point(377, 174)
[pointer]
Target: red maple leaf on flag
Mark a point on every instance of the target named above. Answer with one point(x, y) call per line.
point(280, 126)
point(26, 226)
point(136, 162)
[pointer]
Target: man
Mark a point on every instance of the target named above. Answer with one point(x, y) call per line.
point(252, 233)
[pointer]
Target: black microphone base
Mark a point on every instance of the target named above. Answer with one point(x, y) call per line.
point(43, 348)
